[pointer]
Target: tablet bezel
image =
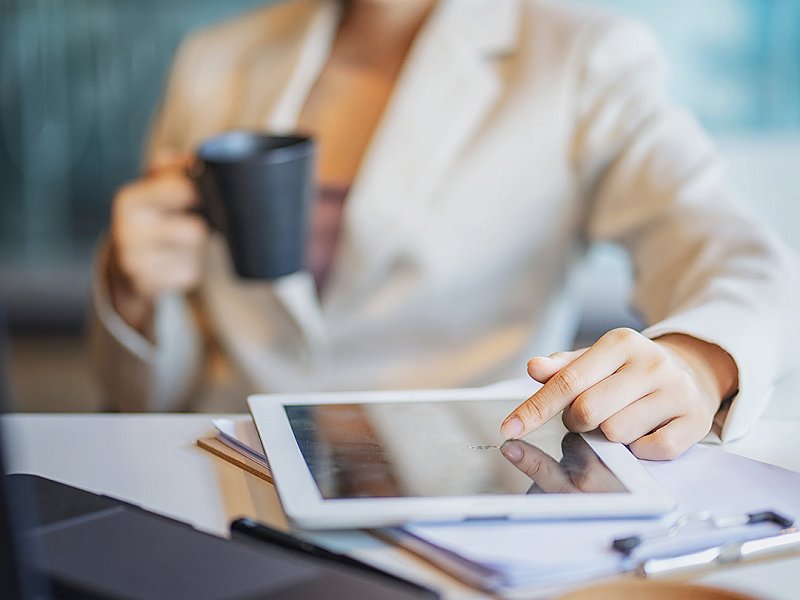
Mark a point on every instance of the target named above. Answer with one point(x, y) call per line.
point(305, 507)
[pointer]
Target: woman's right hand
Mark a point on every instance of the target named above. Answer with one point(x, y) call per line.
point(156, 243)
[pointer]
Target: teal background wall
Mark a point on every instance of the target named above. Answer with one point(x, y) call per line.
point(78, 84)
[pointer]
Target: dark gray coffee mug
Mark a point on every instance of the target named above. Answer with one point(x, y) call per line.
point(256, 190)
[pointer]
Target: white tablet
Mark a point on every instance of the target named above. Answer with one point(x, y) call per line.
point(370, 459)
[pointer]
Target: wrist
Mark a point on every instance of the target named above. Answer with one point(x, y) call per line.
point(713, 369)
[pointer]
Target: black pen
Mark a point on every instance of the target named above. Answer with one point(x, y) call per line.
point(252, 530)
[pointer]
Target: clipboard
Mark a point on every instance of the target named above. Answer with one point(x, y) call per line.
point(220, 449)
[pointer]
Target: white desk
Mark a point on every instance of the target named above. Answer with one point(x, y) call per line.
point(152, 460)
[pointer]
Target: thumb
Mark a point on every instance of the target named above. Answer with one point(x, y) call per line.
point(542, 368)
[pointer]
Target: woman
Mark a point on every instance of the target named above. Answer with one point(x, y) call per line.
point(480, 146)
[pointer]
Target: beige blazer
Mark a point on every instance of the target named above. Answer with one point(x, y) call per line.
point(519, 132)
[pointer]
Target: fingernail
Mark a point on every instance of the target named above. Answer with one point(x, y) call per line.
point(544, 358)
point(512, 427)
point(512, 452)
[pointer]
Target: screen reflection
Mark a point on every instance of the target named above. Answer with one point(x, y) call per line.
point(440, 449)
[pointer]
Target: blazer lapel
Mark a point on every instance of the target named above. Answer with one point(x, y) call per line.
point(448, 84)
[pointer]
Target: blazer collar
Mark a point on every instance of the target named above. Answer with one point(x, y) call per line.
point(481, 27)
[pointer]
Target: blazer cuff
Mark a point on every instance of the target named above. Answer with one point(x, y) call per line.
point(166, 370)
point(125, 335)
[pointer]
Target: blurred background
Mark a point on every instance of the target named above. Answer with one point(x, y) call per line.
point(79, 82)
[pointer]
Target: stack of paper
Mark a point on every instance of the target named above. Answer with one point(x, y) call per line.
point(241, 435)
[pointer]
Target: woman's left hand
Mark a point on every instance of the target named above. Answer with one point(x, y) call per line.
point(657, 396)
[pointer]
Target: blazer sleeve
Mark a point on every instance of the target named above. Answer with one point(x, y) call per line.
point(703, 265)
point(135, 373)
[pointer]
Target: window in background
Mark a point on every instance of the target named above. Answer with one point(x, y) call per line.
point(735, 63)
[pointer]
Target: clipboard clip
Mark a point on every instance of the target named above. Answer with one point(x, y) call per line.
point(785, 540)
point(627, 545)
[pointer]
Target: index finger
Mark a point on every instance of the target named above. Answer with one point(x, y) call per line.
point(170, 191)
point(591, 367)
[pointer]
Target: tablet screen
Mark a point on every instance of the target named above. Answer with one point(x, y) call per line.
point(428, 449)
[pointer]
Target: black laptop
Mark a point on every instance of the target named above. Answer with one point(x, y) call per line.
point(60, 541)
